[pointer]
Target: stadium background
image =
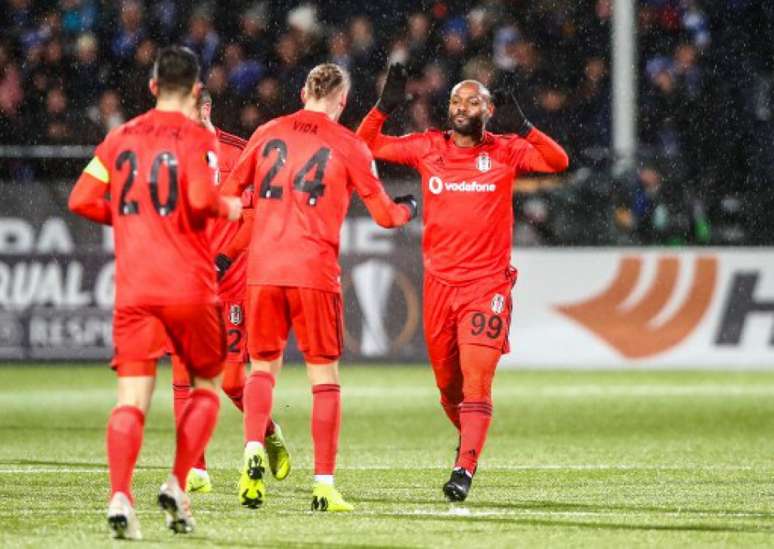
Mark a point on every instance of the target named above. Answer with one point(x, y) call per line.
point(71, 70)
point(667, 264)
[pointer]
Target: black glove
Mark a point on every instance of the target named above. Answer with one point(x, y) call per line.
point(409, 201)
point(394, 91)
point(222, 263)
point(520, 122)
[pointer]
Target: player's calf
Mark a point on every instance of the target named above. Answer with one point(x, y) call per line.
point(233, 383)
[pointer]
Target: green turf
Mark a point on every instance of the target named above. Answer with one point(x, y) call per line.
point(574, 459)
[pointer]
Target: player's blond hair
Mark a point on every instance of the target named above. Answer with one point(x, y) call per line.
point(325, 79)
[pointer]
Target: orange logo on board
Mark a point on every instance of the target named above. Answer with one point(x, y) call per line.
point(630, 330)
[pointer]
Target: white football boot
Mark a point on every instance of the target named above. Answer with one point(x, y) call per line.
point(122, 519)
point(176, 506)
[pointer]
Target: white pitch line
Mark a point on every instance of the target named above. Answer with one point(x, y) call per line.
point(467, 512)
point(572, 467)
point(40, 470)
point(649, 390)
point(461, 512)
point(491, 468)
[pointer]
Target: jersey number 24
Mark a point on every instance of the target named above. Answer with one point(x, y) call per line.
point(314, 187)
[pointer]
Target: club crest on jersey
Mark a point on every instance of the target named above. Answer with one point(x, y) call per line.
point(483, 162)
point(498, 304)
point(212, 161)
point(235, 315)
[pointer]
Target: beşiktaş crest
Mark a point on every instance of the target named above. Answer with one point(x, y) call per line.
point(483, 162)
point(498, 303)
point(235, 314)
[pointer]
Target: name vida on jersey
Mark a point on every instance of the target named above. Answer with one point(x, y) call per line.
point(437, 186)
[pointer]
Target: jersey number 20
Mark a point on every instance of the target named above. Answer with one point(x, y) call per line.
point(132, 207)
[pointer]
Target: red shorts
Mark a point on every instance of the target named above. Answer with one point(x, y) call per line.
point(236, 332)
point(316, 316)
point(478, 313)
point(142, 334)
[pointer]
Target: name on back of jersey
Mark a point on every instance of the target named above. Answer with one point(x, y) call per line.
point(305, 127)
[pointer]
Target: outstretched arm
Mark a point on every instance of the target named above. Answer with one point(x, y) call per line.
point(540, 153)
point(388, 213)
point(401, 150)
point(545, 155)
point(241, 240)
point(363, 177)
point(237, 245)
point(205, 201)
point(89, 195)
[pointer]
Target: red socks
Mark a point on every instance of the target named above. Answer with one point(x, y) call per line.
point(258, 396)
point(181, 394)
point(452, 412)
point(326, 420)
point(475, 417)
point(124, 439)
point(448, 379)
point(234, 383)
point(181, 386)
point(478, 365)
point(233, 386)
point(194, 431)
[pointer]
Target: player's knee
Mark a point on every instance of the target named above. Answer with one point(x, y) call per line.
point(450, 388)
point(324, 372)
point(180, 374)
point(477, 388)
point(451, 400)
point(478, 395)
point(233, 390)
point(206, 382)
point(233, 385)
point(447, 383)
point(134, 368)
point(319, 360)
point(208, 371)
point(266, 356)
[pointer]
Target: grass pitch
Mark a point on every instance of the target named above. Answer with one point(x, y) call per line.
point(573, 459)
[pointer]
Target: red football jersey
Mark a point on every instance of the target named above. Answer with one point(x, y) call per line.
point(232, 286)
point(303, 167)
point(152, 164)
point(467, 192)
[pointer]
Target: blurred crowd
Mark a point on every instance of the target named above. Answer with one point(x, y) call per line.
point(70, 70)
